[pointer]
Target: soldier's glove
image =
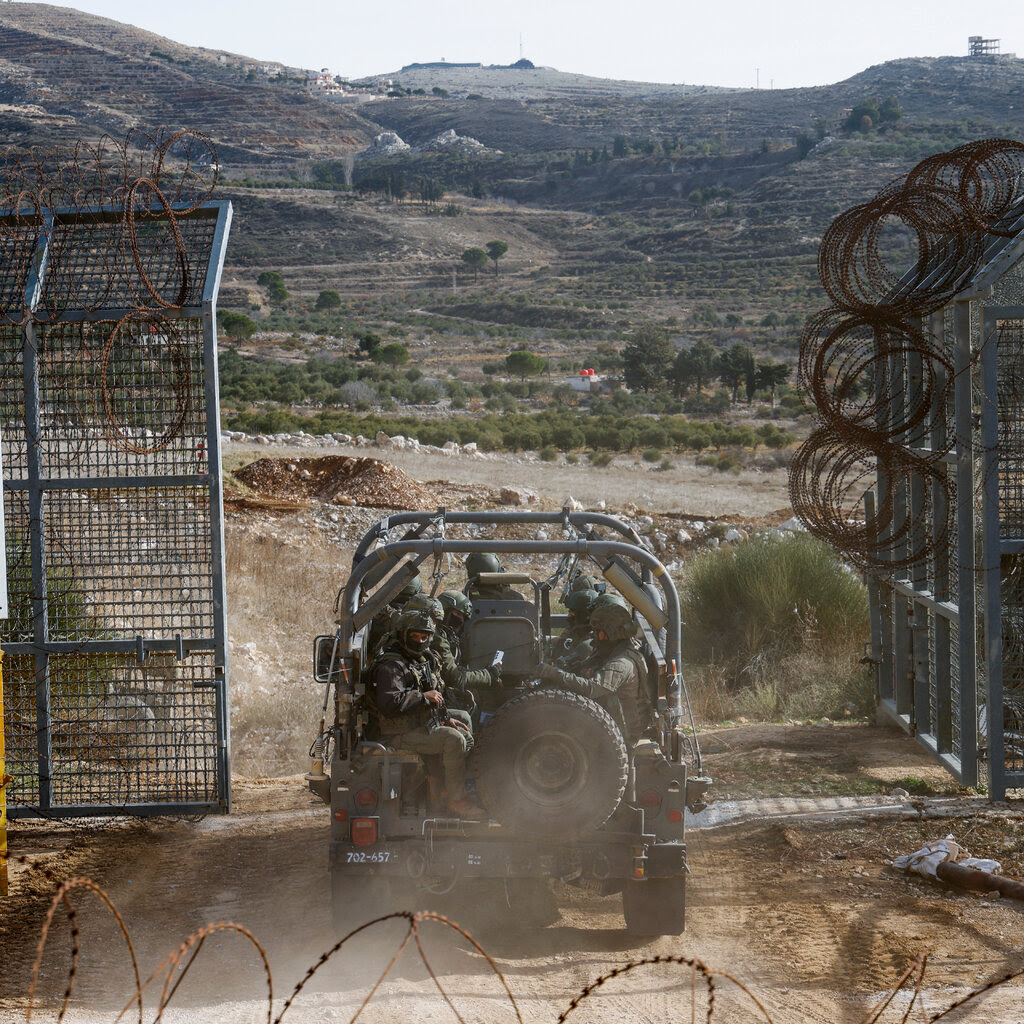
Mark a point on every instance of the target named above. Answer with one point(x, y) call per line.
point(495, 674)
point(550, 674)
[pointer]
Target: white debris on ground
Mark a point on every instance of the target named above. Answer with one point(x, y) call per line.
point(925, 862)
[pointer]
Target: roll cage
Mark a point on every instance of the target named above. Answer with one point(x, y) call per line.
point(382, 566)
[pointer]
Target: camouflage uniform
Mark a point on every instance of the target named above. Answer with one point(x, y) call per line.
point(399, 680)
point(566, 649)
point(382, 625)
point(614, 676)
point(448, 649)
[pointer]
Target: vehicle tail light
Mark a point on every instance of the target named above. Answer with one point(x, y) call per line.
point(364, 831)
point(341, 814)
point(366, 798)
point(675, 816)
point(650, 799)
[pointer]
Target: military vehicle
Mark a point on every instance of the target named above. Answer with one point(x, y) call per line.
point(566, 797)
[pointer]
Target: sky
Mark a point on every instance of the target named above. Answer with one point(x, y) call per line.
point(774, 43)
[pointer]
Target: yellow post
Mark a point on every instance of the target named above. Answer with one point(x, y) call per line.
point(3, 790)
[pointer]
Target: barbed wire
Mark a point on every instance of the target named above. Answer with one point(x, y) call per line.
point(176, 966)
point(111, 216)
point(104, 258)
point(880, 378)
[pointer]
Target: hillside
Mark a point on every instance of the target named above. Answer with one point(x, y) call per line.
point(532, 83)
point(66, 75)
point(699, 210)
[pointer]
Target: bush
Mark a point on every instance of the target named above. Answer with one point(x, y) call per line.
point(571, 458)
point(548, 454)
point(328, 299)
point(601, 459)
point(768, 599)
point(651, 455)
point(810, 684)
point(664, 466)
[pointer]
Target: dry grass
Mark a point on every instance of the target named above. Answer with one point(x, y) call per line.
point(811, 684)
point(280, 595)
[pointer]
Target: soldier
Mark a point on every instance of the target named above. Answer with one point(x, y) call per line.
point(585, 582)
point(484, 561)
point(383, 623)
point(448, 645)
point(578, 604)
point(410, 705)
point(615, 675)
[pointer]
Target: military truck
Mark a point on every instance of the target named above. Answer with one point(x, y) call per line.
point(566, 798)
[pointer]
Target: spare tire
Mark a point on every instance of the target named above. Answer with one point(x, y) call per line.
point(551, 763)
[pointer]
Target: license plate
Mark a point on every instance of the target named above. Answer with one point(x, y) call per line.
point(367, 856)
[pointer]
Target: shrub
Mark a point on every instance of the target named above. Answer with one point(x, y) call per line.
point(328, 299)
point(809, 684)
point(548, 454)
point(571, 458)
point(664, 466)
point(651, 455)
point(236, 326)
point(769, 598)
point(601, 459)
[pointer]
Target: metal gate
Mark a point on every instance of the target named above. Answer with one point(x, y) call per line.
point(115, 650)
point(948, 631)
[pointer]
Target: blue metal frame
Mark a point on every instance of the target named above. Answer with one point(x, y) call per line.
point(36, 485)
point(915, 688)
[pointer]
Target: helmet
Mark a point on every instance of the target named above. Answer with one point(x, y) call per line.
point(614, 620)
point(425, 603)
point(608, 601)
point(583, 582)
point(456, 600)
point(580, 602)
point(482, 561)
point(411, 589)
point(414, 631)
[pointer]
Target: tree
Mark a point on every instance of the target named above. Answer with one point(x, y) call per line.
point(431, 191)
point(326, 300)
point(646, 359)
point(771, 375)
point(694, 365)
point(495, 250)
point(369, 342)
point(476, 259)
point(735, 366)
point(523, 363)
point(236, 326)
point(274, 284)
point(393, 354)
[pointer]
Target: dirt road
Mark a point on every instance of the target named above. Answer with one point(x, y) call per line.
point(807, 913)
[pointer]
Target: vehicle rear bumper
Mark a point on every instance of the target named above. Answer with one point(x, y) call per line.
point(598, 859)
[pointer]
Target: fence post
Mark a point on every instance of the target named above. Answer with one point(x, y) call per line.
point(3, 790)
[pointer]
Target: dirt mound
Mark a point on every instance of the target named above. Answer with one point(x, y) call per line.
point(337, 480)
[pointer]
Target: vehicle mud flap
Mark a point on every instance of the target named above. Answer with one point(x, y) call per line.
point(655, 906)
